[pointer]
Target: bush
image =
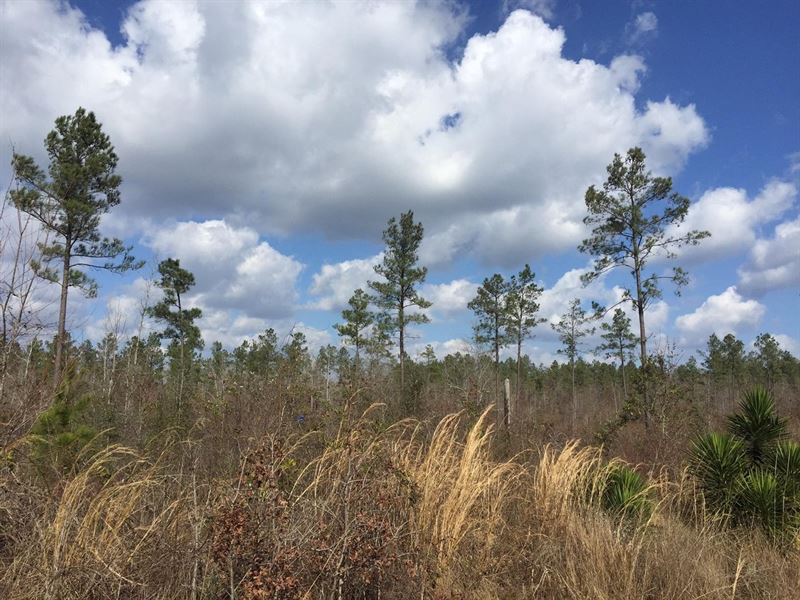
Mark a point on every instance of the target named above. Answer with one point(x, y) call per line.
point(60, 433)
point(750, 475)
point(626, 492)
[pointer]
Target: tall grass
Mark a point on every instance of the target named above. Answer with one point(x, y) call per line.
point(369, 511)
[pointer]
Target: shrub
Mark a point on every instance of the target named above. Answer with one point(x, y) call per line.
point(626, 492)
point(751, 475)
point(60, 433)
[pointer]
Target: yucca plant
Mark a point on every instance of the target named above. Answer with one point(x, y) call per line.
point(751, 474)
point(785, 460)
point(626, 492)
point(717, 459)
point(757, 424)
point(761, 500)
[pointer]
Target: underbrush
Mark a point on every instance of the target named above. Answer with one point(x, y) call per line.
point(370, 511)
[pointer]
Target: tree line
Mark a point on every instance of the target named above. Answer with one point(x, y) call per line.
point(630, 216)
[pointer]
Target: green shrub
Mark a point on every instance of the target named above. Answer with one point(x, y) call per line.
point(717, 460)
point(757, 424)
point(60, 433)
point(626, 492)
point(751, 474)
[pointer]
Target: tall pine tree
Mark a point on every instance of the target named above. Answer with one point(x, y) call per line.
point(398, 292)
point(489, 306)
point(522, 306)
point(80, 186)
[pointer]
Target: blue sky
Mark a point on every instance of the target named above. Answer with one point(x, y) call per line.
point(266, 145)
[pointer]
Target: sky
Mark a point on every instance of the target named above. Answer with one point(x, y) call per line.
point(266, 145)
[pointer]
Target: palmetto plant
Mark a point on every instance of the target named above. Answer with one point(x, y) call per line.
point(786, 461)
point(626, 492)
point(761, 499)
point(751, 474)
point(757, 424)
point(717, 460)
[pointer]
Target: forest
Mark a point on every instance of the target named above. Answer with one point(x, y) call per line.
point(161, 465)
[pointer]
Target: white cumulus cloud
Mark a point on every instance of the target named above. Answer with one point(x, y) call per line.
point(733, 219)
point(233, 269)
point(773, 263)
point(722, 313)
point(331, 117)
point(334, 284)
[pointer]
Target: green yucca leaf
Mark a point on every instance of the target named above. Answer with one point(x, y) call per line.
point(717, 459)
point(786, 460)
point(761, 500)
point(626, 492)
point(785, 463)
point(758, 498)
point(757, 423)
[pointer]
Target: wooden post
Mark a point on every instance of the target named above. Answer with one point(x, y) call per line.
point(507, 402)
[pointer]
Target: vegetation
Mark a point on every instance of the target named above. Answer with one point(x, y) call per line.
point(629, 230)
point(752, 474)
point(522, 306)
point(82, 186)
point(357, 319)
point(397, 292)
point(573, 326)
point(618, 342)
point(156, 470)
point(490, 306)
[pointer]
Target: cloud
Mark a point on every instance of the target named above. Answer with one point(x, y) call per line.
point(233, 270)
point(124, 312)
point(788, 343)
point(733, 219)
point(334, 284)
point(231, 329)
point(773, 263)
point(722, 313)
point(442, 349)
point(450, 298)
point(330, 117)
point(643, 26)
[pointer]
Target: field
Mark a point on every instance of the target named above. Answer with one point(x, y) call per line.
point(298, 483)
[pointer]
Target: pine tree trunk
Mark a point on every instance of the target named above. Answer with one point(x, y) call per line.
point(400, 318)
point(62, 318)
point(507, 403)
point(574, 400)
point(624, 379)
point(519, 370)
point(642, 340)
point(496, 358)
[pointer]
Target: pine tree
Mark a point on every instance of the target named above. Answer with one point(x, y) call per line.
point(489, 306)
point(357, 319)
point(397, 293)
point(629, 230)
point(619, 342)
point(184, 335)
point(522, 305)
point(82, 186)
point(571, 329)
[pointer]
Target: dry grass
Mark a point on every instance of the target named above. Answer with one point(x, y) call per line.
point(370, 512)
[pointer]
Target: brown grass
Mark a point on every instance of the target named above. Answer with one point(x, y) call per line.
point(369, 512)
